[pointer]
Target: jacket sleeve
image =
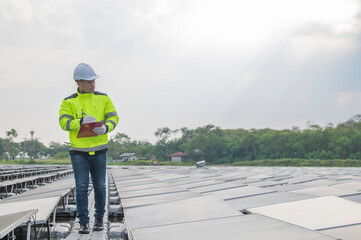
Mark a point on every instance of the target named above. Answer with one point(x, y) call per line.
point(67, 120)
point(111, 117)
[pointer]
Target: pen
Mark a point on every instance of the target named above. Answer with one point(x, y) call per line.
point(83, 113)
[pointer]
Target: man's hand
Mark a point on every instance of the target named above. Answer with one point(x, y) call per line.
point(89, 119)
point(100, 130)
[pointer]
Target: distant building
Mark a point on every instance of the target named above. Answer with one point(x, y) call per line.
point(128, 157)
point(178, 157)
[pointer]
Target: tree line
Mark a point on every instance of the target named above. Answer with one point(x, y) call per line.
point(29, 148)
point(220, 146)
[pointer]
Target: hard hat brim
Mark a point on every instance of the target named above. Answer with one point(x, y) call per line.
point(89, 78)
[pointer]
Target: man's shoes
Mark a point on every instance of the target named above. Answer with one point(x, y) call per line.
point(84, 228)
point(98, 224)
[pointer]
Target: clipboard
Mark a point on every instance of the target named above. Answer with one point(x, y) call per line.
point(86, 129)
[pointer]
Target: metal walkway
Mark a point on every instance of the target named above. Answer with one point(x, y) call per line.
point(74, 235)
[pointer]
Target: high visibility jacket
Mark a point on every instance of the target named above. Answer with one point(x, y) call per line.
point(96, 104)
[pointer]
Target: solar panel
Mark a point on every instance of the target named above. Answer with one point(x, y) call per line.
point(58, 188)
point(352, 185)
point(265, 199)
point(9, 222)
point(241, 192)
point(295, 186)
point(155, 199)
point(316, 213)
point(45, 207)
point(186, 210)
point(150, 192)
point(345, 233)
point(216, 187)
point(200, 184)
point(142, 187)
point(325, 191)
point(355, 197)
point(250, 227)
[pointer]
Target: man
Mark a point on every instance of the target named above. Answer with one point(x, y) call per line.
point(88, 154)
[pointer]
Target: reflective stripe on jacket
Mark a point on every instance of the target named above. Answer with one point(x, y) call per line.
point(96, 104)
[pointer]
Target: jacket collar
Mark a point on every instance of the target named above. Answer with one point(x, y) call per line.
point(83, 94)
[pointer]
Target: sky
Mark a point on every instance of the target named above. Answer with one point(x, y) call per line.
point(182, 63)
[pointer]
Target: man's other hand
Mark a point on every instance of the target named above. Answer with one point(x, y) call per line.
point(100, 130)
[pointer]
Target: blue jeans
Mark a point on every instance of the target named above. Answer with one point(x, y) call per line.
point(96, 165)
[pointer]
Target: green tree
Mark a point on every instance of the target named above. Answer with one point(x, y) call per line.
point(11, 147)
point(33, 149)
point(12, 134)
point(57, 150)
point(121, 138)
point(210, 140)
point(164, 135)
point(122, 143)
point(2, 149)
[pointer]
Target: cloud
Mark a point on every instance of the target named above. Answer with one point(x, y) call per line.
point(181, 63)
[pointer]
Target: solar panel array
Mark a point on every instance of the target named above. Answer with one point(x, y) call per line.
point(240, 202)
point(30, 194)
point(162, 202)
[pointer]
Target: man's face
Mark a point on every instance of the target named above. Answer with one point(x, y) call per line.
point(86, 86)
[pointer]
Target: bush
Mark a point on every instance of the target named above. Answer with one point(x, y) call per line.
point(61, 155)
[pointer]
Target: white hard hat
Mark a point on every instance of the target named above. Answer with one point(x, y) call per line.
point(84, 72)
